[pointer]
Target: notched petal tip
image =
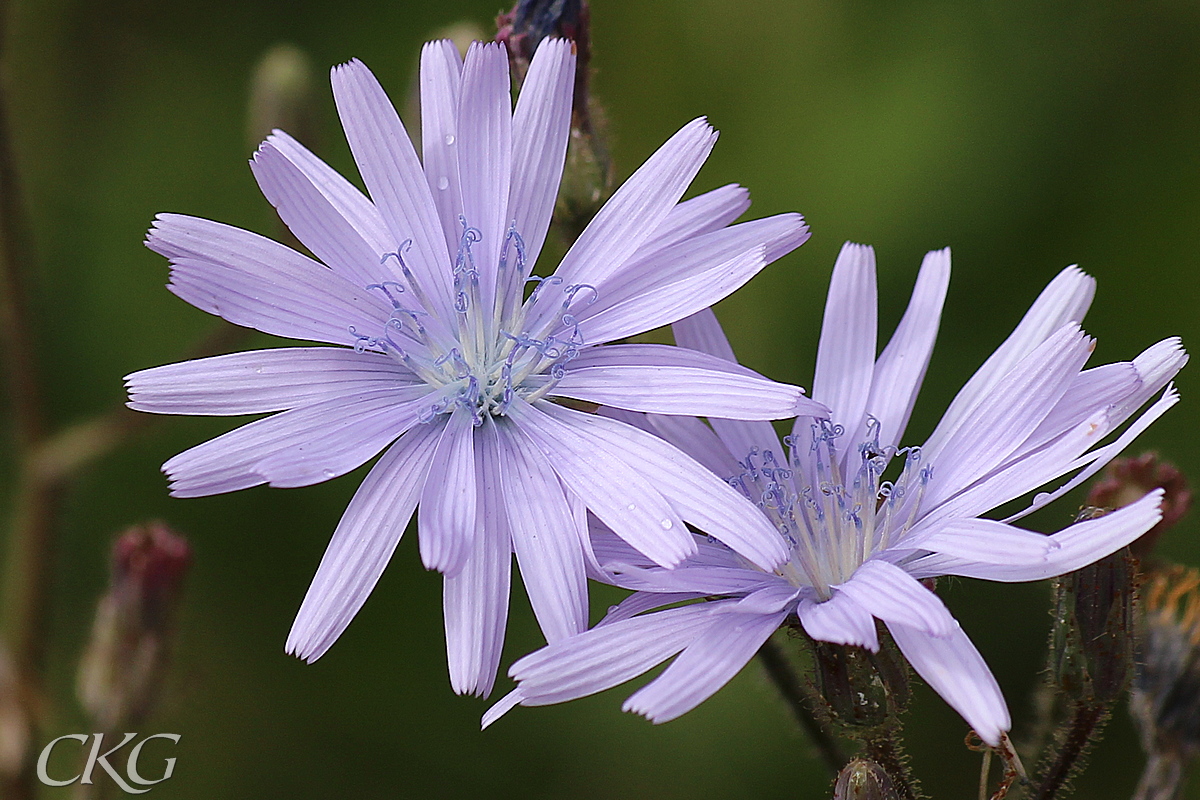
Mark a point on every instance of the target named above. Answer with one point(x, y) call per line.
point(353, 65)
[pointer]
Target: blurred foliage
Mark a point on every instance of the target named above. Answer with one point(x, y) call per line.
point(1027, 136)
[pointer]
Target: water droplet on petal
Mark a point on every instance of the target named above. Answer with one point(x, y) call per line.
point(632, 507)
point(328, 473)
point(449, 139)
point(443, 183)
point(667, 524)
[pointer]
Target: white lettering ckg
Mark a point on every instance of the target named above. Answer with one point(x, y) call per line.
point(96, 758)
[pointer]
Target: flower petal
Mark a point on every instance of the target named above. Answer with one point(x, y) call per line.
point(393, 175)
point(1075, 546)
point(983, 540)
point(1097, 459)
point(541, 127)
point(475, 599)
point(891, 594)
point(485, 157)
point(701, 214)
point(441, 80)
point(449, 513)
point(779, 235)
point(1021, 474)
point(705, 665)
point(363, 544)
point(672, 302)
point(500, 708)
point(608, 655)
point(689, 434)
point(901, 367)
point(595, 469)
point(701, 331)
point(259, 381)
point(345, 197)
point(639, 206)
point(840, 620)
point(999, 423)
point(661, 379)
point(700, 497)
point(1064, 300)
point(313, 218)
point(255, 282)
point(846, 353)
point(954, 669)
point(641, 602)
point(298, 447)
point(547, 549)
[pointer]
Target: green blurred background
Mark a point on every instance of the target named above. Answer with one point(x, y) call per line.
point(1025, 135)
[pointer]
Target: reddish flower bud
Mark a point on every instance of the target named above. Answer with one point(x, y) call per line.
point(1128, 479)
point(126, 657)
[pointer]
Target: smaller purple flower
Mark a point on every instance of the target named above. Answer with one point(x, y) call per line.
point(865, 521)
point(450, 355)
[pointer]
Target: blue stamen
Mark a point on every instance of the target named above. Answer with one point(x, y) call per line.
point(383, 287)
point(515, 239)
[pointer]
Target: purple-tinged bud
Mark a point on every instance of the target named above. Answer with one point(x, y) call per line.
point(530, 21)
point(126, 657)
point(1128, 479)
point(864, 780)
point(588, 178)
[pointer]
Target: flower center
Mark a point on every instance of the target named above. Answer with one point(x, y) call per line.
point(833, 521)
point(481, 358)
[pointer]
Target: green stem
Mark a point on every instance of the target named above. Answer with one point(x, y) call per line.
point(780, 671)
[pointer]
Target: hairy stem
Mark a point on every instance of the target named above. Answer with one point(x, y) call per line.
point(886, 751)
point(1076, 738)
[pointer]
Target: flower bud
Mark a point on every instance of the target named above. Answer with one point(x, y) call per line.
point(588, 178)
point(522, 30)
point(1093, 629)
point(1166, 689)
point(281, 95)
point(862, 691)
point(126, 657)
point(864, 780)
point(1128, 479)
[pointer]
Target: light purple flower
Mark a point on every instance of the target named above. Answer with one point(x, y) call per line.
point(439, 354)
point(860, 545)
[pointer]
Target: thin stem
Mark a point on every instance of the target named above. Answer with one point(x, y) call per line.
point(1078, 734)
point(31, 527)
point(780, 671)
point(984, 770)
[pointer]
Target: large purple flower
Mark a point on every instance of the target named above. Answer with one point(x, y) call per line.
point(441, 353)
point(859, 544)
